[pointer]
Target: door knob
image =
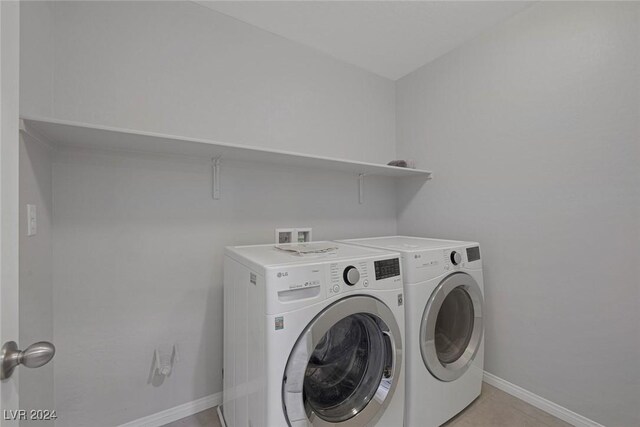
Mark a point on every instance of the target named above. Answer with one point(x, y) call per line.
point(34, 356)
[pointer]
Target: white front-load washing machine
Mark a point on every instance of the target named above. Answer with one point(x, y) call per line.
point(313, 337)
point(444, 297)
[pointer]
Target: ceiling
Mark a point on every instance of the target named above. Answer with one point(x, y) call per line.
point(389, 38)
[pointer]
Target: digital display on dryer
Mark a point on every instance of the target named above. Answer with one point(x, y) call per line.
point(387, 268)
point(473, 254)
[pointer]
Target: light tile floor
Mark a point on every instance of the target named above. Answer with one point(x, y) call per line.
point(207, 418)
point(494, 408)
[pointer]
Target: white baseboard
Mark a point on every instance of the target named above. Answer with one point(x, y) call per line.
point(539, 402)
point(173, 414)
point(177, 412)
point(223, 423)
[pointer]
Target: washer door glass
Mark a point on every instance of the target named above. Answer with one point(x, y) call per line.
point(345, 366)
point(451, 329)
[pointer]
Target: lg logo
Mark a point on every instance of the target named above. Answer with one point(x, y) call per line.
point(282, 274)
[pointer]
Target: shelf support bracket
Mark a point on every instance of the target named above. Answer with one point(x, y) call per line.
point(25, 129)
point(361, 188)
point(215, 178)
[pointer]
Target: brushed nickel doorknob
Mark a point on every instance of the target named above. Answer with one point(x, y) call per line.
point(34, 356)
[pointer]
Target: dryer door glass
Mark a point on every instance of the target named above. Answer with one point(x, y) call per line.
point(345, 366)
point(451, 329)
point(454, 325)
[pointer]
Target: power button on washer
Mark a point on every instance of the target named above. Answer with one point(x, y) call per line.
point(336, 289)
point(365, 283)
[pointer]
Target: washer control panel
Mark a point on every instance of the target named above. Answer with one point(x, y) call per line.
point(386, 268)
point(364, 274)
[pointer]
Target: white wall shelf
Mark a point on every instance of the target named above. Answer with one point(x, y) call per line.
point(63, 133)
point(70, 134)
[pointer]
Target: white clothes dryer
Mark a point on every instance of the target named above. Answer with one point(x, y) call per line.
point(313, 337)
point(444, 295)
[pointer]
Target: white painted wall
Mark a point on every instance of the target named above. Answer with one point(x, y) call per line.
point(181, 68)
point(137, 239)
point(138, 249)
point(36, 291)
point(532, 131)
point(36, 58)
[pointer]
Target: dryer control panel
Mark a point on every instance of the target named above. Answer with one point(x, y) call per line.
point(426, 265)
